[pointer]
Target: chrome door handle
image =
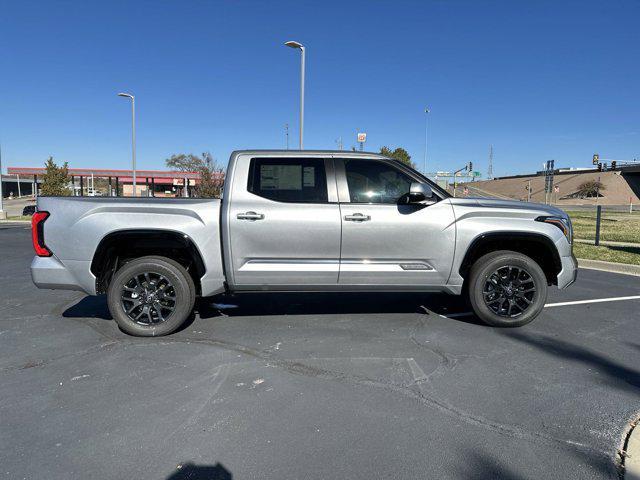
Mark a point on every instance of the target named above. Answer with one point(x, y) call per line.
point(357, 217)
point(250, 216)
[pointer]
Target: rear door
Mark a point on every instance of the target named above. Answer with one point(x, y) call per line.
point(284, 223)
point(385, 241)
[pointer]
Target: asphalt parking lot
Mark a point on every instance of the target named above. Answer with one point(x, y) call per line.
point(315, 386)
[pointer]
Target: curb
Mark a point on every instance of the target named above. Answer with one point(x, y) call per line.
point(14, 221)
point(608, 243)
point(613, 267)
point(632, 454)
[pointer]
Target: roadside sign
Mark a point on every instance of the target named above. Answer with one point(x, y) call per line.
point(362, 137)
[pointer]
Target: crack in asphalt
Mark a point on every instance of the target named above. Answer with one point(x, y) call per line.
point(42, 363)
point(298, 368)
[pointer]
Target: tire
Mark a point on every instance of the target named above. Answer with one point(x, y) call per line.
point(156, 290)
point(500, 294)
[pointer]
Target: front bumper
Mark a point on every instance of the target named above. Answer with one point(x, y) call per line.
point(569, 272)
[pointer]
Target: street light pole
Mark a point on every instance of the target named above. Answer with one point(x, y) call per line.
point(2, 214)
point(293, 44)
point(426, 138)
point(133, 137)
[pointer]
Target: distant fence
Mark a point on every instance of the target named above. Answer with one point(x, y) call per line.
point(613, 223)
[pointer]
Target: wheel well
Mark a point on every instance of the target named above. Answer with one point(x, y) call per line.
point(538, 247)
point(120, 247)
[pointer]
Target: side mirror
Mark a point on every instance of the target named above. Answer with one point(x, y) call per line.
point(420, 192)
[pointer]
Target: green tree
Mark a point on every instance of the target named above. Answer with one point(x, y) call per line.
point(211, 174)
point(185, 162)
point(55, 181)
point(590, 188)
point(386, 151)
point(399, 154)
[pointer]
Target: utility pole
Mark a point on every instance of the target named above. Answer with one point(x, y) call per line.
point(490, 170)
point(529, 191)
point(339, 142)
point(426, 138)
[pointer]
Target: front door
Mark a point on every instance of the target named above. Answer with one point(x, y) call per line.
point(284, 223)
point(385, 241)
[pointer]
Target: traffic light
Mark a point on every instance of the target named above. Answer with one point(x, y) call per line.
point(596, 158)
point(470, 167)
point(613, 165)
point(599, 167)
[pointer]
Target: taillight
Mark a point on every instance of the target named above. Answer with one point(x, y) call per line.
point(37, 234)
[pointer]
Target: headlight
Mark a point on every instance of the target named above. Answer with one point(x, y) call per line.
point(563, 223)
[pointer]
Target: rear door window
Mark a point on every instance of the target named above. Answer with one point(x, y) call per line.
point(293, 180)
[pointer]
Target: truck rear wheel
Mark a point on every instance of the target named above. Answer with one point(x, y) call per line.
point(151, 296)
point(507, 289)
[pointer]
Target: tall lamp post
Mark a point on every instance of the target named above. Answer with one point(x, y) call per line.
point(293, 44)
point(3, 215)
point(426, 138)
point(133, 136)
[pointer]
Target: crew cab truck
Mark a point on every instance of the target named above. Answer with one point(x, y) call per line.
point(303, 221)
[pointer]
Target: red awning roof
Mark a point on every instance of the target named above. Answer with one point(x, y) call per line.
point(98, 172)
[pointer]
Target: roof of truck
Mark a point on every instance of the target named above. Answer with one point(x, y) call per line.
point(308, 153)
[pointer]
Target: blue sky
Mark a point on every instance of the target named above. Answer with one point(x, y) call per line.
point(538, 80)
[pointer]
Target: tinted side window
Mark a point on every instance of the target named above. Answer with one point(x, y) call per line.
point(371, 181)
point(296, 180)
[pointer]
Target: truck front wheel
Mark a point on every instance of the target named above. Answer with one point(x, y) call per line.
point(507, 289)
point(151, 296)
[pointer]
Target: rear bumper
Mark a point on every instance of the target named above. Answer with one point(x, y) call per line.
point(51, 273)
point(569, 272)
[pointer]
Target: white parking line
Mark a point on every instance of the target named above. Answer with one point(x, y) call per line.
point(416, 371)
point(595, 300)
point(456, 315)
point(560, 304)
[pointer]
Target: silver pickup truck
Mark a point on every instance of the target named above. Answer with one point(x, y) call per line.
point(303, 220)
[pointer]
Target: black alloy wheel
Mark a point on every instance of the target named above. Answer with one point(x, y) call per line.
point(148, 298)
point(509, 291)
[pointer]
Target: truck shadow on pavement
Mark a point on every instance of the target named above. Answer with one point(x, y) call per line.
point(330, 303)
point(267, 304)
point(619, 375)
point(190, 471)
point(89, 307)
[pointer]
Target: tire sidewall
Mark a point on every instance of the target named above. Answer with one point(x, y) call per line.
point(175, 273)
point(481, 271)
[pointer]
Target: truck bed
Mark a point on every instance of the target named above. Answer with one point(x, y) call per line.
point(77, 225)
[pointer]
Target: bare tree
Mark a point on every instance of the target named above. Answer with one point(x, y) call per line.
point(211, 173)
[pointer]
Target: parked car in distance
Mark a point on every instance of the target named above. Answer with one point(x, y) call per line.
point(28, 210)
point(303, 221)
